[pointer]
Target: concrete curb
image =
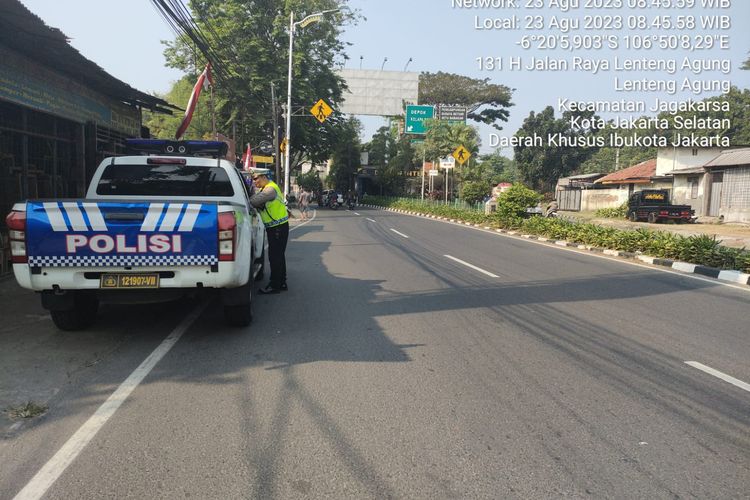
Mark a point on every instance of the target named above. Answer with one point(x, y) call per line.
point(730, 276)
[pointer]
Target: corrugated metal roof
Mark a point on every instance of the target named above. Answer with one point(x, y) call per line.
point(731, 158)
point(24, 32)
point(688, 171)
point(584, 176)
point(642, 172)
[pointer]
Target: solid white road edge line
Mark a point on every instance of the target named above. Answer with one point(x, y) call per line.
point(472, 266)
point(315, 212)
point(717, 373)
point(54, 468)
point(400, 234)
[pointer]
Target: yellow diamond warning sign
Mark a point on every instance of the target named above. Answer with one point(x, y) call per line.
point(462, 155)
point(321, 111)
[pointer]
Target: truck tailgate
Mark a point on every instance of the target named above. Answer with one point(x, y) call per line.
point(83, 233)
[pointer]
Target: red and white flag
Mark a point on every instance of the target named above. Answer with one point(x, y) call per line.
point(204, 80)
point(247, 159)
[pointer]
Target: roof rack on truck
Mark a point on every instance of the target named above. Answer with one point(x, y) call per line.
point(212, 149)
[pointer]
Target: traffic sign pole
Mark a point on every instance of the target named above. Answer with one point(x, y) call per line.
point(424, 156)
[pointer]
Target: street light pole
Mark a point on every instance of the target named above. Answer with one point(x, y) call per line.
point(288, 149)
point(312, 18)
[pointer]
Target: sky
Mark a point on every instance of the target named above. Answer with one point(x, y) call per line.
point(437, 36)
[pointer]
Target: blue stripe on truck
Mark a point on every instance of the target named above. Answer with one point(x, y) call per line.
point(101, 234)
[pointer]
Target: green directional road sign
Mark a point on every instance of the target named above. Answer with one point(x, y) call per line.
point(415, 118)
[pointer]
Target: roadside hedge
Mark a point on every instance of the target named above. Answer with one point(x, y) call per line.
point(613, 213)
point(700, 249)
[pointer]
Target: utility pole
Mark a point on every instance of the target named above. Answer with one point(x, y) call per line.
point(276, 155)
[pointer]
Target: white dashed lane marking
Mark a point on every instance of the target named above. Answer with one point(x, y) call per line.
point(471, 266)
point(716, 373)
point(400, 234)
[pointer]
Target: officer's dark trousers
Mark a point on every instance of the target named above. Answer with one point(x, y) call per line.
point(277, 238)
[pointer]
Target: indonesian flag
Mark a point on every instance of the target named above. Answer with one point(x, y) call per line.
point(204, 80)
point(247, 159)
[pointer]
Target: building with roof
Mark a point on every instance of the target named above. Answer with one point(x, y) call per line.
point(672, 159)
point(569, 190)
point(60, 113)
point(716, 191)
point(728, 181)
point(614, 189)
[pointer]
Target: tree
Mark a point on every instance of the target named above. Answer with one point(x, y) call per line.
point(249, 43)
point(609, 159)
point(738, 102)
point(541, 166)
point(392, 176)
point(486, 102)
point(382, 147)
point(442, 139)
point(393, 157)
point(164, 126)
point(746, 64)
point(474, 191)
point(346, 156)
point(492, 169)
point(310, 181)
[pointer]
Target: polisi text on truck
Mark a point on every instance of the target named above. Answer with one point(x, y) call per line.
point(104, 243)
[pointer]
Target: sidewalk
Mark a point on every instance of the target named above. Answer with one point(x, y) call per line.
point(731, 235)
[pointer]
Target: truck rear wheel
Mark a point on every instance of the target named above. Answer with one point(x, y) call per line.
point(82, 315)
point(238, 315)
point(238, 306)
point(652, 218)
point(262, 261)
point(633, 217)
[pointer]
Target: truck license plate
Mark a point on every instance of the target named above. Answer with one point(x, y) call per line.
point(129, 281)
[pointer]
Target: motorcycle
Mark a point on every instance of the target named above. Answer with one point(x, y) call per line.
point(351, 204)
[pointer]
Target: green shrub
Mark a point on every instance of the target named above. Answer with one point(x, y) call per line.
point(613, 213)
point(515, 201)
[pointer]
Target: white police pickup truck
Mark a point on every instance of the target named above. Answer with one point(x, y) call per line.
point(167, 222)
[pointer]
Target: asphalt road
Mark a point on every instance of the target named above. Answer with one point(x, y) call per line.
point(409, 359)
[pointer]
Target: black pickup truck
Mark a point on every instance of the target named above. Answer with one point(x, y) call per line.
point(653, 205)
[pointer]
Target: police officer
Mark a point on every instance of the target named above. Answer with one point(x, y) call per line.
point(270, 203)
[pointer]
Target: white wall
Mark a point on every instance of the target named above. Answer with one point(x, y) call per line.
point(681, 192)
point(668, 159)
point(594, 199)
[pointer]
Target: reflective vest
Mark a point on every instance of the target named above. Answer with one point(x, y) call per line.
point(274, 212)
